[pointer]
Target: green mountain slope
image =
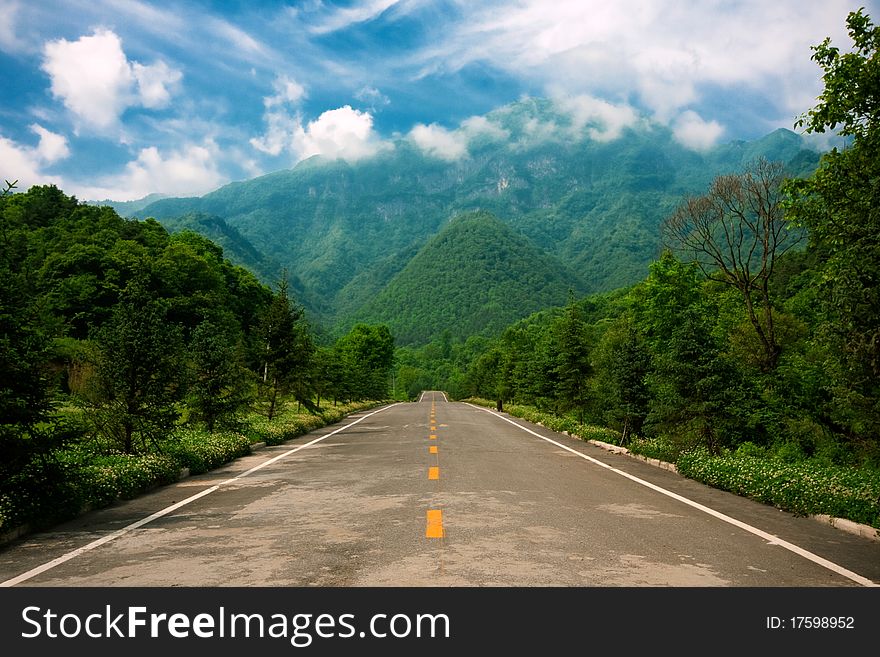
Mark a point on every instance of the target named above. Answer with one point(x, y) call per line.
point(343, 229)
point(474, 278)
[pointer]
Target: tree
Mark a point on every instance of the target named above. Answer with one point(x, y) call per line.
point(659, 301)
point(573, 367)
point(735, 233)
point(367, 354)
point(220, 385)
point(140, 372)
point(287, 350)
point(840, 207)
point(692, 384)
point(623, 364)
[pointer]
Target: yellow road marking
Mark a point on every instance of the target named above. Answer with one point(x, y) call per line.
point(433, 428)
point(433, 472)
point(433, 436)
point(434, 527)
point(432, 449)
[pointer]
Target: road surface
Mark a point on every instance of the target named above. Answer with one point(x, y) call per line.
point(434, 493)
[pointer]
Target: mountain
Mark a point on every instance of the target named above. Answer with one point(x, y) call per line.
point(475, 277)
point(594, 199)
point(129, 208)
point(238, 250)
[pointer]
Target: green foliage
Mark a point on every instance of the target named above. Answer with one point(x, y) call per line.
point(139, 373)
point(287, 350)
point(800, 487)
point(474, 278)
point(366, 354)
point(572, 365)
point(623, 364)
point(200, 451)
point(839, 206)
point(220, 383)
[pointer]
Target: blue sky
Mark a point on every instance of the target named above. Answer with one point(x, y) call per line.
point(120, 98)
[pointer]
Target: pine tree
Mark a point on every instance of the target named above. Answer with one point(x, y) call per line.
point(287, 352)
point(573, 367)
point(220, 383)
point(140, 372)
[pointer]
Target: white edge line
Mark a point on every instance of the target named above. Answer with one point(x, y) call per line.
point(164, 512)
point(774, 540)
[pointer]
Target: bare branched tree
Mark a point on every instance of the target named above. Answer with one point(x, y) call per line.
point(736, 232)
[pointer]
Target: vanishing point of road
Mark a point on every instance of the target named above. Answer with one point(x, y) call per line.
point(436, 493)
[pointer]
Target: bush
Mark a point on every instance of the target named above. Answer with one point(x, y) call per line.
point(123, 476)
point(802, 488)
point(201, 451)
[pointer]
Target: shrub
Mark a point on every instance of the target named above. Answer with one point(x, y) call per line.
point(802, 488)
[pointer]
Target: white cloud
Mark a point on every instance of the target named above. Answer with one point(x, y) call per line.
point(602, 120)
point(154, 83)
point(694, 132)
point(287, 90)
point(240, 40)
point(26, 163)
point(374, 98)
point(450, 145)
point(475, 126)
point(95, 80)
point(661, 55)
point(437, 141)
point(189, 171)
point(344, 133)
point(9, 40)
point(357, 13)
point(339, 133)
point(280, 131)
point(52, 146)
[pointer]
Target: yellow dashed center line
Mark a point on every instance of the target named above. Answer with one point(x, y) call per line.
point(434, 527)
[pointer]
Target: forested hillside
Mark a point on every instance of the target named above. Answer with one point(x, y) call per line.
point(344, 230)
point(473, 278)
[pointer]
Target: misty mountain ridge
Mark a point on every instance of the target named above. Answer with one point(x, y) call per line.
point(592, 193)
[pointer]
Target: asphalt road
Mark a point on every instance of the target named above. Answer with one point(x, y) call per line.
point(440, 494)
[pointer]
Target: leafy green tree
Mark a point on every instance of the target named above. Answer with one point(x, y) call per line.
point(287, 350)
point(693, 385)
point(220, 383)
point(140, 374)
point(573, 366)
point(623, 363)
point(840, 207)
point(26, 432)
point(367, 353)
point(658, 302)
